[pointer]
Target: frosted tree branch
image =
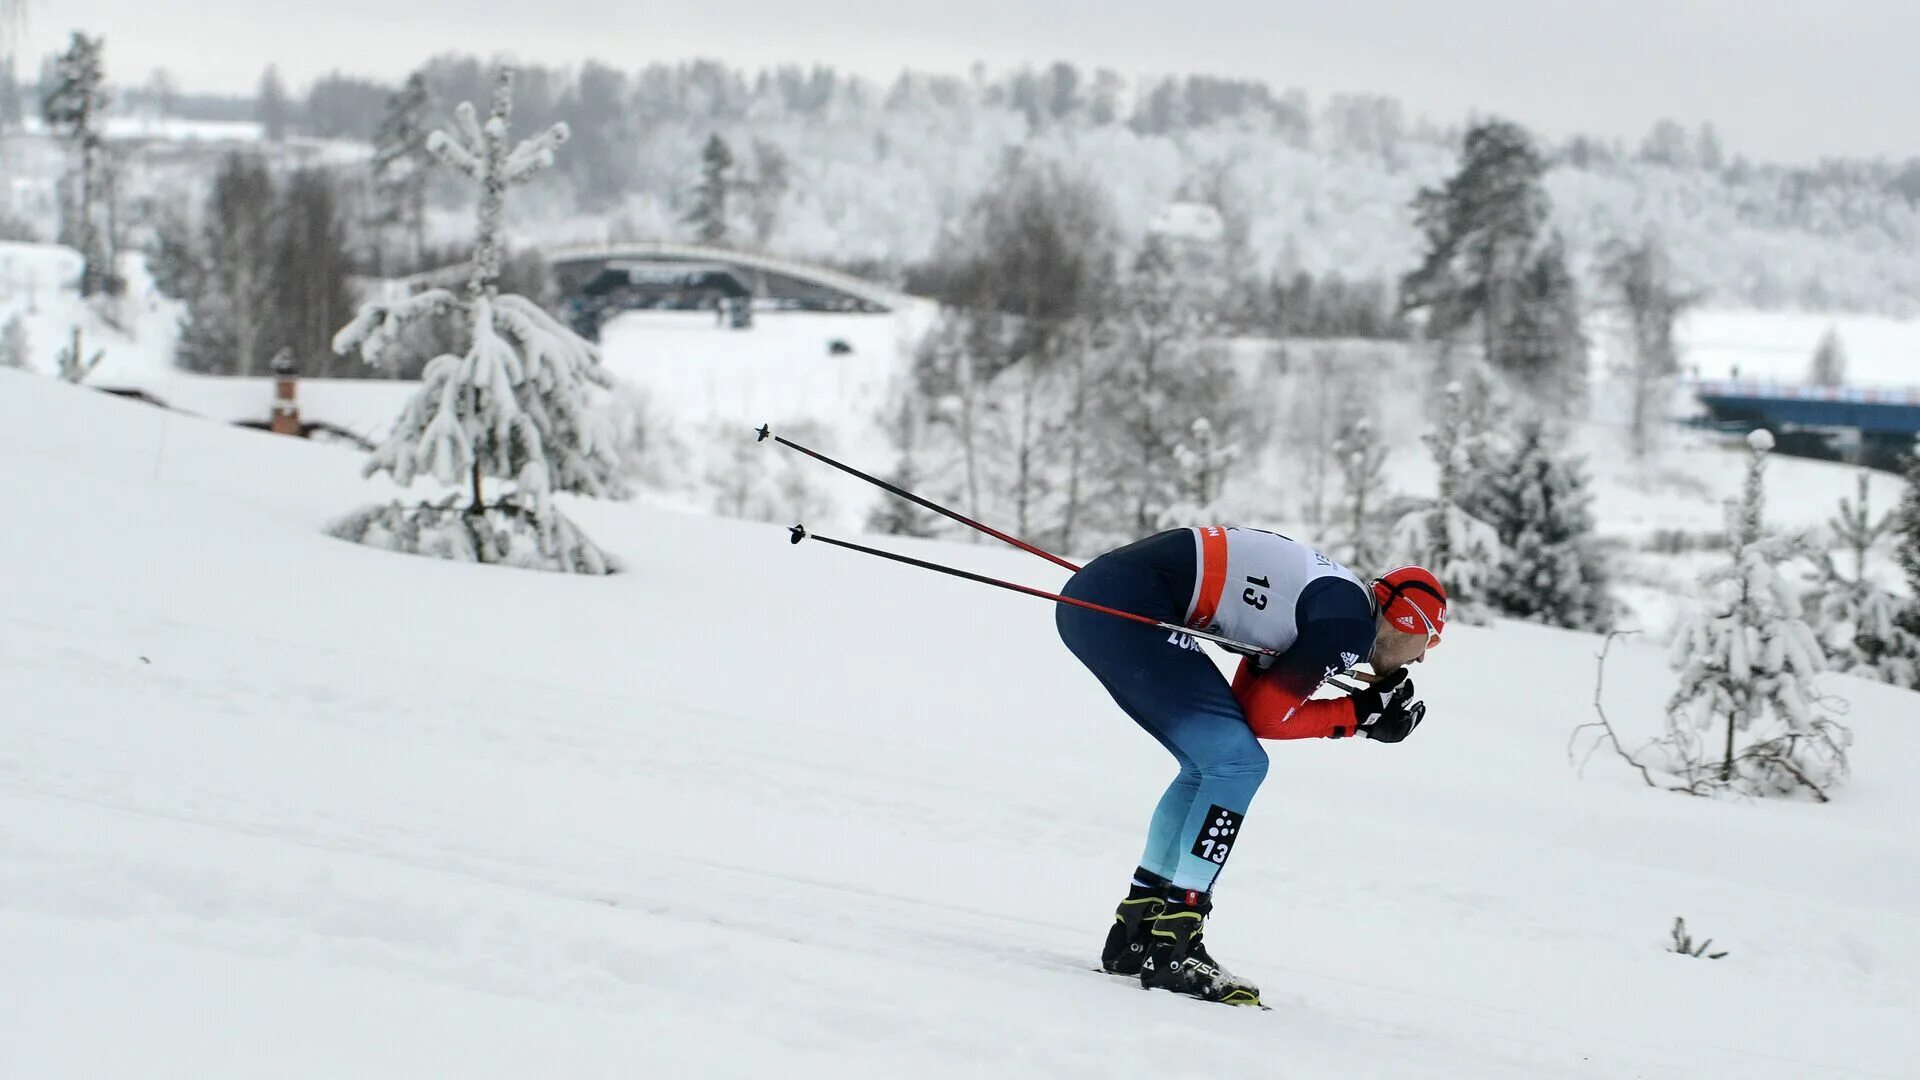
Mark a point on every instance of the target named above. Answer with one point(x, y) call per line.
point(535, 154)
point(379, 323)
point(442, 146)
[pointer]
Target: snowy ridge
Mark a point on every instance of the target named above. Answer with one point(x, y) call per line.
point(275, 804)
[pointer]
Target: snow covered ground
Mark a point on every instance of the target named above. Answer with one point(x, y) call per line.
point(271, 804)
point(1777, 346)
point(166, 128)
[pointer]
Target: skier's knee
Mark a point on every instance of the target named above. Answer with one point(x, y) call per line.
point(1248, 764)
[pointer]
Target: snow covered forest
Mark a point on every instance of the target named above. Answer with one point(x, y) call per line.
point(878, 178)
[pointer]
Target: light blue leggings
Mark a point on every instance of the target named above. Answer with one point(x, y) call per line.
point(1175, 693)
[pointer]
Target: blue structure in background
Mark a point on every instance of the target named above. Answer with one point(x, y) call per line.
point(1874, 427)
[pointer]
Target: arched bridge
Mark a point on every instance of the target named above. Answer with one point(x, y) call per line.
point(596, 282)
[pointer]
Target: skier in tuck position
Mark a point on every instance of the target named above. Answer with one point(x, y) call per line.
point(1265, 590)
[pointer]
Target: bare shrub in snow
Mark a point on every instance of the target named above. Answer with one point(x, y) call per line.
point(69, 362)
point(750, 483)
point(1323, 392)
point(1640, 279)
point(1361, 456)
point(1683, 943)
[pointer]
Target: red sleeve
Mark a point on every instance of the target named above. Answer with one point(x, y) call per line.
point(1274, 711)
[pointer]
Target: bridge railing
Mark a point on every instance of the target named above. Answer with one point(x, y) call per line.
point(1784, 391)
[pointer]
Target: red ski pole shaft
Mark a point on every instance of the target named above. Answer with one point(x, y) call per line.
point(800, 533)
point(764, 433)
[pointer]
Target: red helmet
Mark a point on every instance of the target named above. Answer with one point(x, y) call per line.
point(1413, 600)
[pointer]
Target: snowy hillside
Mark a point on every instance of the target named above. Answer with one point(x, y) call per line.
point(271, 804)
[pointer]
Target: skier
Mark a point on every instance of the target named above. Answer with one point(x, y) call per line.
point(1263, 589)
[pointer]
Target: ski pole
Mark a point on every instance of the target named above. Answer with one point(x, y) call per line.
point(763, 432)
point(799, 533)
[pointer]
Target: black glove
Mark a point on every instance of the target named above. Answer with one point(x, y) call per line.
point(1388, 711)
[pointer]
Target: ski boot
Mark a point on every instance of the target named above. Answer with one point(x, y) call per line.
point(1127, 938)
point(1177, 957)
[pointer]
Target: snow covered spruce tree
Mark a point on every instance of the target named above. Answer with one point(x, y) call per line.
point(75, 99)
point(1459, 548)
point(1494, 265)
point(1537, 502)
point(1858, 618)
point(518, 406)
point(1746, 716)
point(708, 215)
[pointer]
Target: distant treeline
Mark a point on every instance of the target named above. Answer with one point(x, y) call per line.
point(340, 105)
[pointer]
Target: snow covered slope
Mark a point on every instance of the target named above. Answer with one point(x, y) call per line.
point(271, 804)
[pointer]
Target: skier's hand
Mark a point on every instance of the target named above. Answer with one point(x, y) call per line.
point(1388, 711)
point(1371, 698)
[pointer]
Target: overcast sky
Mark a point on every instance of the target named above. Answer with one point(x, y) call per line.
point(1787, 81)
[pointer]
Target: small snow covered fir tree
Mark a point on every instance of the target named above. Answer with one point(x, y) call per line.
point(1860, 619)
point(1746, 716)
point(1537, 502)
point(1906, 529)
point(1461, 550)
point(519, 406)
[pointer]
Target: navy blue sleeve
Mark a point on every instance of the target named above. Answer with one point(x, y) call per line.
point(1335, 617)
